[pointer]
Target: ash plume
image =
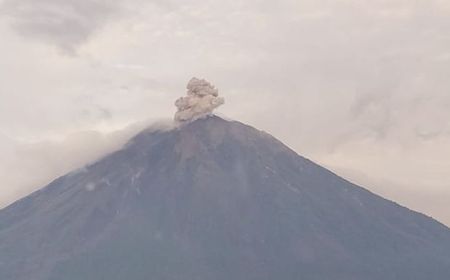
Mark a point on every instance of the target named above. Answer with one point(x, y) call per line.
point(201, 100)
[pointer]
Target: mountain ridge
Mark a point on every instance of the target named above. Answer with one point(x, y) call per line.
point(214, 199)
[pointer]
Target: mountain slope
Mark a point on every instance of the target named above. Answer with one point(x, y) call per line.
point(214, 200)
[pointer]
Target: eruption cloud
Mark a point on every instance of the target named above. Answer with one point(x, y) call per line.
point(201, 100)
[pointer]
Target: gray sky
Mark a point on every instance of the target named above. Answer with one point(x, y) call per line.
point(359, 86)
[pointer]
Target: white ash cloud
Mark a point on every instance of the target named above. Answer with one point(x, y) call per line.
point(201, 100)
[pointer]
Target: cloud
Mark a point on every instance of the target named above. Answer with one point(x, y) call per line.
point(29, 165)
point(328, 76)
point(202, 98)
point(66, 24)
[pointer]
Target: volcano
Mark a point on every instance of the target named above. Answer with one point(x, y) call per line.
point(214, 200)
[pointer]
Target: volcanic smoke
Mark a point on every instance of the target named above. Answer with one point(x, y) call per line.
point(201, 100)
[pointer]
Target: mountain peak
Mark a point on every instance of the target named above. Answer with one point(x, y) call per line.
point(203, 136)
point(214, 199)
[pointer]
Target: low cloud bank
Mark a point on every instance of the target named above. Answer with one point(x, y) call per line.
point(28, 166)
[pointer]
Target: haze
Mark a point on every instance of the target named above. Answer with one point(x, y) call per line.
point(359, 86)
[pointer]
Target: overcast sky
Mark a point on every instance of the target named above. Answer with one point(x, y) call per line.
point(359, 86)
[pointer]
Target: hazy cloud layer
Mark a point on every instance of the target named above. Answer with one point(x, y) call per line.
point(356, 85)
point(64, 23)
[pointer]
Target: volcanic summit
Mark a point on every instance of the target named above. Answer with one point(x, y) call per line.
point(214, 199)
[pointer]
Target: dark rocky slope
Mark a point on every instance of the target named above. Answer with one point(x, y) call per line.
point(218, 200)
